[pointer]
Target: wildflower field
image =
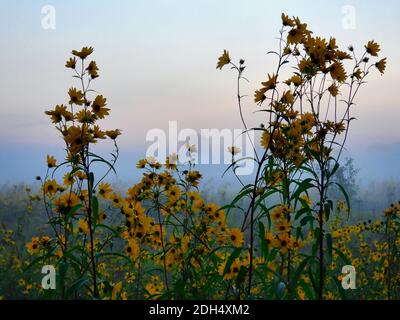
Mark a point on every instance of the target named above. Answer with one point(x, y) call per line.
point(281, 236)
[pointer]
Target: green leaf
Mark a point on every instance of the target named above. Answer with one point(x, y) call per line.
point(328, 208)
point(245, 191)
point(59, 166)
point(55, 221)
point(298, 273)
point(261, 229)
point(210, 284)
point(303, 186)
point(63, 268)
point(334, 169)
point(116, 254)
point(306, 219)
point(307, 290)
point(41, 258)
point(299, 234)
point(91, 181)
point(115, 232)
point(241, 275)
point(312, 279)
point(73, 210)
point(316, 242)
point(34, 262)
point(342, 292)
point(345, 195)
point(345, 259)
point(100, 159)
point(230, 260)
point(329, 244)
point(301, 212)
point(179, 288)
point(265, 213)
point(265, 195)
point(264, 249)
point(95, 207)
point(75, 286)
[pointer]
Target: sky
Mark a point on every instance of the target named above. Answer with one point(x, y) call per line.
point(157, 64)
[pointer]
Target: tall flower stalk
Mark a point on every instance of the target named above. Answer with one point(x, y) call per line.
point(302, 138)
point(72, 203)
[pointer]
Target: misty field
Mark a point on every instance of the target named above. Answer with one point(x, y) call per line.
point(301, 229)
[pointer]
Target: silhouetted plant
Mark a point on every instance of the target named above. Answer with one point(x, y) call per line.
point(307, 115)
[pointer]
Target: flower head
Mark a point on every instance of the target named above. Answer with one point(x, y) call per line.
point(338, 72)
point(265, 138)
point(236, 237)
point(67, 200)
point(50, 187)
point(85, 51)
point(132, 249)
point(105, 190)
point(59, 112)
point(76, 96)
point(113, 134)
point(233, 150)
point(381, 65)
point(223, 60)
point(51, 161)
point(92, 69)
point(33, 247)
point(83, 226)
point(71, 63)
point(271, 82)
point(372, 48)
point(286, 21)
point(76, 137)
point(333, 90)
point(98, 107)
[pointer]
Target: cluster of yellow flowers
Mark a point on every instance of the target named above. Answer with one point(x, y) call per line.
point(296, 134)
point(175, 220)
point(282, 239)
point(371, 248)
point(78, 126)
point(302, 131)
point(72, 206)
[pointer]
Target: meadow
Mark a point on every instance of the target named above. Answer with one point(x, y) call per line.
point(292, 233)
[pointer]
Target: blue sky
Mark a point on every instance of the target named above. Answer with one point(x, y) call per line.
point(157, 63)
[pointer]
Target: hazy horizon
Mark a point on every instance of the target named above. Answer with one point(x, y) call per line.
point(146, 53)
